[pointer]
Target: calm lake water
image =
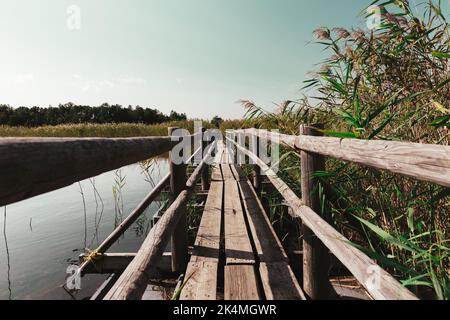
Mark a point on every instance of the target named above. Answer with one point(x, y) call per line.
point(46, 233)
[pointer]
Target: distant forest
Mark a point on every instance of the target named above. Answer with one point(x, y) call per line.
point(70, 113)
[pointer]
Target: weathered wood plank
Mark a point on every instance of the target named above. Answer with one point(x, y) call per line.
point(279, 282)
point(420, 161)
point(240, 283)
point(117, 262)
point(238, 249)
point(359, 264)
point(201, 281)
point(207, 242)
point(268, 247)
point(227, 173)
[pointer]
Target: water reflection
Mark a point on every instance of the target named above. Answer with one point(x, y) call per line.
point(45, 234)
point(8, 261)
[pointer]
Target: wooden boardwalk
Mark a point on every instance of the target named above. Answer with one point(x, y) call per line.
point(236, 255)
point(236, 242)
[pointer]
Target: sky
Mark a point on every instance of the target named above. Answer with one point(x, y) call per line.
point(194, 56)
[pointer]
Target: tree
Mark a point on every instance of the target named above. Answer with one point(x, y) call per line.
point(71, 113)
point(216, 121)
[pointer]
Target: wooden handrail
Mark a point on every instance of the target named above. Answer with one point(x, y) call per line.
point(133, 282)
point(426, 162)
point(363, 268)
point(33, 166)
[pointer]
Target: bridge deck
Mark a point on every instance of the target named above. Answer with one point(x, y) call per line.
point(236, 250)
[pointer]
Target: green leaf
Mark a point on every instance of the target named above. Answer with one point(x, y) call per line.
point(339, 134)
point(441, 121)
point(442, 55)
point(436, 284)
point(385, 236)
point(411, 219)
point(384, 261)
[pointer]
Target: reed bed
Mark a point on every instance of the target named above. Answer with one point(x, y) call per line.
point(392, 83)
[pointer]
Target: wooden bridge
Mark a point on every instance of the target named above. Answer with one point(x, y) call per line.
point(236, 254)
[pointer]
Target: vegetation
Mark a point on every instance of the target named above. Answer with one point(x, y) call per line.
point(392, 83)
point(70, 113)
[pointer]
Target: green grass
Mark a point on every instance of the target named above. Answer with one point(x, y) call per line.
point(95, 130)
point(110, 130)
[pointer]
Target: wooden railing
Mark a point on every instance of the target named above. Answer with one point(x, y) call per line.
point(29, 167)
point(425, 162)
point(33, 166)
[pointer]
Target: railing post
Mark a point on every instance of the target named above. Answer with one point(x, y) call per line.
point(205, 172)
point(256, 168)
point(315, 255)
point(179, 240)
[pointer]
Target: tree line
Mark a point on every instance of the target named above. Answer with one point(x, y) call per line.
point(70, 113)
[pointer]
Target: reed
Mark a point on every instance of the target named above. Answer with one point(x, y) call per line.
point(392, 84)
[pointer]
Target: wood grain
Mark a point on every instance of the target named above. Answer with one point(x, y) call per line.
point(240, 283)
point(33, 166)
point(238, 248)
point(426, 162)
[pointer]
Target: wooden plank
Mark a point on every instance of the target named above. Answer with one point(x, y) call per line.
point(202, 269)
point(226, 172)
point(279, 282)
point(238, 249)
point(359, 264)
point(268, 247)
point(207, 242)
point(240, 283)
point(216, 174)
point(117, 262)
point(200, 281)
point(426, 162)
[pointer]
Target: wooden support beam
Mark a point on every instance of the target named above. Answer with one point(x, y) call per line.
point(179, 241)
point(117, 262)
point(205, 172)
point(315, 255)
point(256, 168)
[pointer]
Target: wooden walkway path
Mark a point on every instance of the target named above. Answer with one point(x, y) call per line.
point(236, 255)
point(237, 245)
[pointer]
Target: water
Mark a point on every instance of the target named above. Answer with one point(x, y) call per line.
point(46, 233)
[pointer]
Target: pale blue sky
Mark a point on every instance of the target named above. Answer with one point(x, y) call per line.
point(194, 56)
